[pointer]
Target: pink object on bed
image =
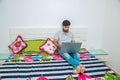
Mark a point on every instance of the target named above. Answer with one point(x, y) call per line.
point(84, 56)
point(18, 45)
point(28, 59)
point(49, 46)
point(83, 77)
point(57, 57)
point(42, 78)
point(87, 77)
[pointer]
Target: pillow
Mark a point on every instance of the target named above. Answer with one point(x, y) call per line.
point(33, 46)
point(48, 46)
point(18, 45)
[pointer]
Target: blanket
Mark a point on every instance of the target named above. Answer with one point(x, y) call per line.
point(52, 70)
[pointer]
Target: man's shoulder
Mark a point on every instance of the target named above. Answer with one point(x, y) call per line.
point(70, 32)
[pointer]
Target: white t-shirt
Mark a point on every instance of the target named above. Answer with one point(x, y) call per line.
point(61, 37)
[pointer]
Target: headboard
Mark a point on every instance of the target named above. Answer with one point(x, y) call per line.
point(80, 34)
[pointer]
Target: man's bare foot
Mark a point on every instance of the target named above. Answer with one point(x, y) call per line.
point(81, 68)
point(76, 71)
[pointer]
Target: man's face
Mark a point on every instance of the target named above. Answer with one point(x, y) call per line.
point(65, 28)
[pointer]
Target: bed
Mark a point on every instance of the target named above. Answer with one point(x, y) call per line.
point(55, 69)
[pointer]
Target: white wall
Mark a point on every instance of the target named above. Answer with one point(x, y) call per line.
point(15, 13)
point(102, 17)
point(111, 38)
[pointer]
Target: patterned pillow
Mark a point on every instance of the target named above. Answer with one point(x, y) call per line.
point(18, 45)
point(48, 46)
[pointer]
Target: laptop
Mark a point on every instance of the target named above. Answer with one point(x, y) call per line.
point(70, 47)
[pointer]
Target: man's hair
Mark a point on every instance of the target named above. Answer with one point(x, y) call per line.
point(66, 23)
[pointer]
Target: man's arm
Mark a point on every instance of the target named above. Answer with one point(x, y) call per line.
point(56, 43)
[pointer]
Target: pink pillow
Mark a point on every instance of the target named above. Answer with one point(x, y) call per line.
point(18, 45)
point(48, 46)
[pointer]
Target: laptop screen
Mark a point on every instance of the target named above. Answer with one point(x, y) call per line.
point(70, 47)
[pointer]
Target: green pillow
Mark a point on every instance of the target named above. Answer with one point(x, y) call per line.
point(33, 46)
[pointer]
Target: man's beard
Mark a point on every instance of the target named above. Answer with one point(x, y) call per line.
point(65, 30)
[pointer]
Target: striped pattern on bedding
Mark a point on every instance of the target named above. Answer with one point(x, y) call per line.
point(55, 70)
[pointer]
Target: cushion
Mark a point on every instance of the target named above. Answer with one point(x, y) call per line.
point(18, 45)
point(42, 78)
point(49, 46)
point(33, 46)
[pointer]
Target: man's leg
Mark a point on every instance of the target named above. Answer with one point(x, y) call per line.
point(76, 56)
point(70, 59)
point(80, 68)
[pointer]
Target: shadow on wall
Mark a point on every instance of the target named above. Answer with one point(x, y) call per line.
point(118, 0)
point(0, 1)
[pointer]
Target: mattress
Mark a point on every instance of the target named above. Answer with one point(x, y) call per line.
point(53, 70)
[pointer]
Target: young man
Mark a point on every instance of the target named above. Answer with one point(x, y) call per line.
point(66, 36)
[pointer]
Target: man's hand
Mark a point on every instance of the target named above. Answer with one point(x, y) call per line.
point(73, 41)
point(57, 44)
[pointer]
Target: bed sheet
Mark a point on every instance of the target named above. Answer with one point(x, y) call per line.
point(53, 70)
